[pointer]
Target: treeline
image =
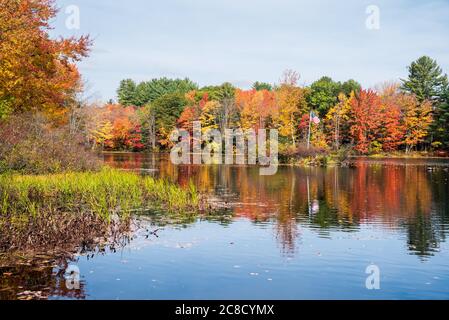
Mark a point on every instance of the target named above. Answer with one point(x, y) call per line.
point(412, 114)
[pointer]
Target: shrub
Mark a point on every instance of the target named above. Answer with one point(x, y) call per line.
point(31, 144)
point(292, 153)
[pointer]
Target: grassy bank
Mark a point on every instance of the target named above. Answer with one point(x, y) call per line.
point(346, 157)
point(106, 192)
point(43, 210)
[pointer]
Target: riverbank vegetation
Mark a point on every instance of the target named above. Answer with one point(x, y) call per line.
point(31, 144)
point(326, 117)
point(33, 206)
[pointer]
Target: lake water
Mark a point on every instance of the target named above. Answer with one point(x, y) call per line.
point(304, 233)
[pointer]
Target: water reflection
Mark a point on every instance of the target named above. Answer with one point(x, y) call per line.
point(391, 194)
point(38, 278)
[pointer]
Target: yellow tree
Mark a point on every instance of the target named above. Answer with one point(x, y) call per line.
point(248, 109)
point(291, 103)
point(256, 107)
point(103, 134)
point(337, 118)
point(318, 137)
point(208, 117)
point(417, 120)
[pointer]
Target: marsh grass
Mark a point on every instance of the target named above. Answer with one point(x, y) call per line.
point(107, 192)
point(38, 210)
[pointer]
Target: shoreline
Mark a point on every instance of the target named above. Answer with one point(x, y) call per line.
point(371, 156)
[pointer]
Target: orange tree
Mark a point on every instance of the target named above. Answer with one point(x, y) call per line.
point(37, 73)
point(366, 120)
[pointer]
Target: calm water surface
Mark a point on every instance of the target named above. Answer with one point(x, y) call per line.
point(305, 233)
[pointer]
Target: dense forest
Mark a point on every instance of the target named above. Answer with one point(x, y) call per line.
point(412, 114)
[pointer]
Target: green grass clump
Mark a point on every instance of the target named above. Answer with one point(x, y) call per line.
point(104, 193)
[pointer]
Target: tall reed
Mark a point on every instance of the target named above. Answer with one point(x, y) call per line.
point(70, 210)
point(104, 193)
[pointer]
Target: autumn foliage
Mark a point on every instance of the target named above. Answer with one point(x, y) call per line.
point(371, 121)
point(37, 73)
point(114, 127)
point(366, 119)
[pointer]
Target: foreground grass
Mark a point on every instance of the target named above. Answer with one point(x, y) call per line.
point(106, 192)
point(41, 211)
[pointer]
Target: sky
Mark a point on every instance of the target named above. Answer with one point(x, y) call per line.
point(243, 41)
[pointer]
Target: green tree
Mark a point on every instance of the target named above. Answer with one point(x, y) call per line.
point(167, 110)
point(425, 80)
point(149, 91)
point(130, 93)
point(259, 86)
point(144, 94)
point(350, 86)
point(127, 93)
point(323, 95)
point(441, 122)
point(221, 92)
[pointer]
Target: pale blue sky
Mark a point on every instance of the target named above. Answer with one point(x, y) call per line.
point(241, 41)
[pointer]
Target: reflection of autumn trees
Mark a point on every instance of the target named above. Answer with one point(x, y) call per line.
point(394, 196)
point(427, 230)
point(391, 192)
point(37, 279)
point(127, 161)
